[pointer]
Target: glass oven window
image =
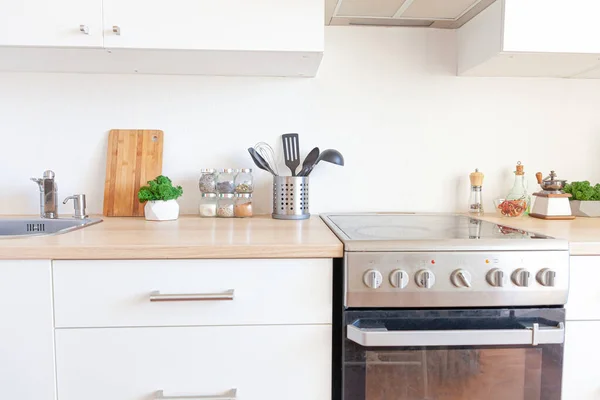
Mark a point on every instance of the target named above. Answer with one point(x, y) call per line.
point(452, 372)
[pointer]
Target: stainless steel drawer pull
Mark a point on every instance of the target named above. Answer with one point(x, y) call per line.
point(533, 336)
point(230, 395)
point(157, 296)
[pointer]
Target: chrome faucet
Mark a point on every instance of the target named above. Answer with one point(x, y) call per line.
point(48, 195)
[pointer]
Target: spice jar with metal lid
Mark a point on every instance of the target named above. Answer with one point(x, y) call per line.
point(244, 182)
point(208, 205)
point(208, 180)
point(225, 205)
point(225, 181)
point(243, 205)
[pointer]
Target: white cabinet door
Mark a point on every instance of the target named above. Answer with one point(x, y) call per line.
point(26, 332)
point(584, 296)
point(581, 380)
point(55, 23)
point(262, 362)
point(263, 25)
point(118, 292)
point(552, 26)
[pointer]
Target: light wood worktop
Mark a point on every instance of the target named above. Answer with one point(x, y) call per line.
point(188, 237)
point(582, 233)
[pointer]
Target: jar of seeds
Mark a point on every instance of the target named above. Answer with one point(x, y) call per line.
point(208, 205)
point(244, 182)
point(243, 205)
point(225, 181)
point(208, 180)
point(225, 205)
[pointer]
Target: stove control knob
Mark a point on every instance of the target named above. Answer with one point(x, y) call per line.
point(399, 279)
point(461, 278)
point(520, 277)
point(373, 279)
point(546, 277)
point(495, 277)
point(425, 279)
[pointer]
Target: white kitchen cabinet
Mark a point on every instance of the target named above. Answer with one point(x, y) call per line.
point(262, 362)
point(580, 374)
point(56, 23)
point(584, 295)
point(26, 332)
point(118, 292)
point(263, 25)
point(552, 26)
point(185, 37)
point(545, 38)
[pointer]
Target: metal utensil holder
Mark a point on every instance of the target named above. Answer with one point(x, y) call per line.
point(290, 197)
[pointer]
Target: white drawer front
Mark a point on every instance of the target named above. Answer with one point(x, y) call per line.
point(584, 296)
point(261, 362)
point(117, 293)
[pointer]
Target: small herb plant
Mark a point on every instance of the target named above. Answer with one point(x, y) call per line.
point(583, 191)
point(161, 188)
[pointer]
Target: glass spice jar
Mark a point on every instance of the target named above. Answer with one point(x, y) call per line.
point(225, 181)
point(208, 205)
point(244, 182)
point(243, 205)
point(225, 205)
point(208, 180)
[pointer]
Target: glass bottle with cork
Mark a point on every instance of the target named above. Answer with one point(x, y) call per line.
point(476, 200)
point(518, 200)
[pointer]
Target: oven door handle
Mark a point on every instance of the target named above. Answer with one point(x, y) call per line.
point(381, 337)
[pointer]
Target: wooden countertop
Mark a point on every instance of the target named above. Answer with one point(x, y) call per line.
point(258, 237)
point(188, 237)
point(582, 233)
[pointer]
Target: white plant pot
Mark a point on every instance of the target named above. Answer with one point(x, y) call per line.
point(161, 210)
point(585, 208)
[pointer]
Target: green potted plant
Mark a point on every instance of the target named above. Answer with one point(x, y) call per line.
point(586, 198)
point(160, 197)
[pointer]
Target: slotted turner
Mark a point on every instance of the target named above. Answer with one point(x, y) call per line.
point(291, 151)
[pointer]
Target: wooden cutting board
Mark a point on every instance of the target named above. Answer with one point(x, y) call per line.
point(134, 157)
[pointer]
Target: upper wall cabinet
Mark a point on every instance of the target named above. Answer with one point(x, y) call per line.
point(51, 23)
point(266, 25)
point(204, 37)
point(550, 38)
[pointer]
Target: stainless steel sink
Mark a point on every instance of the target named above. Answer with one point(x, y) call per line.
point(15, 227)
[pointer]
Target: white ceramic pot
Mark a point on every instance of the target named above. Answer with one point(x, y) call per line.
point(161, 210)
point(585, 208)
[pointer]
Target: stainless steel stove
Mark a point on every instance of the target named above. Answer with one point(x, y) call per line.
point(447, 306)
point(420, 260)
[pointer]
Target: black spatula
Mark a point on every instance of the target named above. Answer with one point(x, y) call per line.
point(291, 151)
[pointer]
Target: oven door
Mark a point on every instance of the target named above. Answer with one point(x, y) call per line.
point(510, 354)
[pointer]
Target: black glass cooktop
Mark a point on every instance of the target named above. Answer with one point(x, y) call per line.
point(386, 232)
point(423, 227)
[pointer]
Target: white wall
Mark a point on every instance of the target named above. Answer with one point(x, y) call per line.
point(388, 98)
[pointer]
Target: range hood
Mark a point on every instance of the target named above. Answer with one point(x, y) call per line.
point(449, 14)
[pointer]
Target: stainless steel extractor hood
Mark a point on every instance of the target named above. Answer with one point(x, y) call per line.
point(449, 14)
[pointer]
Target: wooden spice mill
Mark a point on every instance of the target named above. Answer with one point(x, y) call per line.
point(552, 202)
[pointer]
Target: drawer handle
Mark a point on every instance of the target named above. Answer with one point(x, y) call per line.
point(230, 395)
point(157, 296)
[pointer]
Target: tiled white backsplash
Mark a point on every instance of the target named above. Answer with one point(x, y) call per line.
point(387, 98)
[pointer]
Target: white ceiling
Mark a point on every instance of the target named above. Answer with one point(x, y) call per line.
point(435, 13)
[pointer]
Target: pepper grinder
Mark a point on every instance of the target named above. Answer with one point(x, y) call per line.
point(476, 200)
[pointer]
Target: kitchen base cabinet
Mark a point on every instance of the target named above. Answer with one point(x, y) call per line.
point(26, 331)
point(584, 296)
point(581, 379)
point(289, 362)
